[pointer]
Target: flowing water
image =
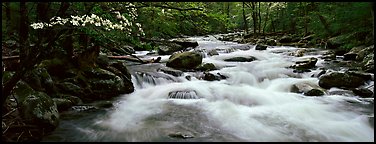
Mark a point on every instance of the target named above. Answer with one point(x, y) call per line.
point(253, 104)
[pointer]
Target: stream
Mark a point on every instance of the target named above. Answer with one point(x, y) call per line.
point(253, 104)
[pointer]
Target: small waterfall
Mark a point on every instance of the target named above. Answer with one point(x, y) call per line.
point(188, 94)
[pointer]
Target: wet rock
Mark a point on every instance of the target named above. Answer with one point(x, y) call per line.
point(39, 79)
point(62, 104)
point(368, 63)
point(338, 79)
point(40, 110)
point(180, 135)
point(299, 53)
point(364, 52)
point(69, 88)
point(212, 77)
point(171, 71)
point(185, 42)
point(81, 108)
point(307, 89)
point(260, 47)
point(212, 52)
point(241, 59)
point(314, 92)
point(271, 42)
point(365, 76)
point(363, 92)
point(285, 39)
point(350, 56)
point(185, 60)
point(305, 64)
point(185, 94)
point(169, 48)
point(206, 67)
point(104, 104)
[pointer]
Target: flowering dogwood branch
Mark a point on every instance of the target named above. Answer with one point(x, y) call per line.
point(93, 20)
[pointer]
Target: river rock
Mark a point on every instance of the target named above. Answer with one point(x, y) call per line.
point(212, 52)
point(271, 42)
point(185, 60)
point(169, 48)
point(285, 39)
point(339, 79)
point(307, 89)
point(260, 47)
point(185, 42)
point(206, 67)
point(364, 52)
point(171, 71)
point(363, 92)
point(68, 87)
point(241, 59)
point(104, 84)
point(305, 64)
point(39, 79)
point(40, 110)
point(350, 56)
point(62, 104)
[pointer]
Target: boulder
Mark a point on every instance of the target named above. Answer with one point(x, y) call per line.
point(307, 89)
point(104, 84)
point(350, 56)
point(260, 47)
point(285, 39)
point(271, 42)
point(305, 64)
point(212, 77)
point(185, 60)
point(185, 42)
point(363, 92)
point(364, 52)
point(40, 110)
point(206, 67)
point(171, 71)
point(340, 80)
point(39, 79)
point(67, 87)
point(62, 104)
point(169, 48)
point(212, 52)
point(241, 59)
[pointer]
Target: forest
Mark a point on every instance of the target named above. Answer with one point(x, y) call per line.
point(76, 51)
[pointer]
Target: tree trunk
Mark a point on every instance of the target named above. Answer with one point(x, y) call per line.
point(245, 21)
point(254, 17)
point(266, 18)
point(326, 25)
point(259, 16)
point(23, 32)
point(8, 19)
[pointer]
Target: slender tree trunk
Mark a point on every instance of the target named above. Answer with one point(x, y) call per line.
point(266, 18)
point(326, 25)
point(245, 20)
point(254, 17)
point(259, 16)
point(8, 18)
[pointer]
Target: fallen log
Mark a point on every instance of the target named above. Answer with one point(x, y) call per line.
point(10, 57)
point(129, 58)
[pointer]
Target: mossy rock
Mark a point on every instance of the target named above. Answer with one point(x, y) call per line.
point(185, 60)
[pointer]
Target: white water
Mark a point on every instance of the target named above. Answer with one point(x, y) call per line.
point(253, 104)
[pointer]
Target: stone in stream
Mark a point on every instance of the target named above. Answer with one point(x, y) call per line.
point(212, 52)
point(305, 64)
point(307, 89)
point(185, 60)
point(260, 47)
point(206, 67)
point(171, 71)
point(241, 59)
point(339, 79)
point(363, 92)
point(180, 135)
